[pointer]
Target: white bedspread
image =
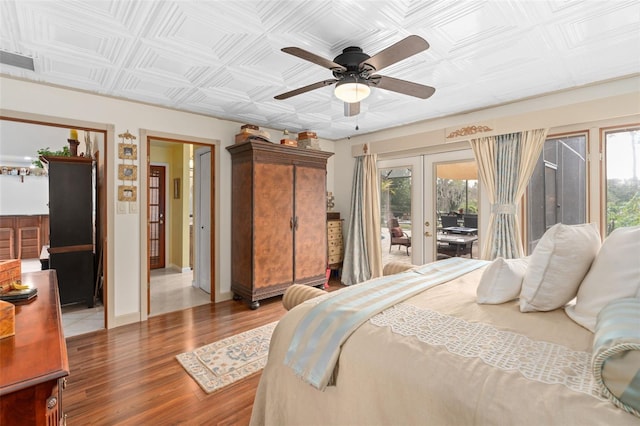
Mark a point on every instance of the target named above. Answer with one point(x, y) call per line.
point(389, 374)
point(315, 346)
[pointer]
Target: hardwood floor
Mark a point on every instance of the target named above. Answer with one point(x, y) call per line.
point(129, 375)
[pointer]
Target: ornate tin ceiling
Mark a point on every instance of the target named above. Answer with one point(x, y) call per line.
point(223, 58)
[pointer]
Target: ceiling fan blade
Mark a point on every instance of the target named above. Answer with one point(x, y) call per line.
point(395, 53)
point(305, 89)
point(402, 86)
point(312, 57)
point(351, 109)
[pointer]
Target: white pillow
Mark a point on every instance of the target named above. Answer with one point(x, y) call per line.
point(615, 274)
point(501, 281)
point(558, 264)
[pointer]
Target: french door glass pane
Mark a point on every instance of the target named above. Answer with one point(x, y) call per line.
point(622, 153)
point(395, 209)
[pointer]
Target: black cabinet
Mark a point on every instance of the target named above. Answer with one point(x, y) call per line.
point(71, 227)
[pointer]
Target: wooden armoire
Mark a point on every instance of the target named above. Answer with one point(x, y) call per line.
point(71, 227)
point(278, 219)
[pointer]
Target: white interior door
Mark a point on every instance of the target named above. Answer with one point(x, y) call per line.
point(430, 201)
point(202, 219)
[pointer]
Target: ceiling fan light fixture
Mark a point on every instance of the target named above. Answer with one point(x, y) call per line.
point(350, 91)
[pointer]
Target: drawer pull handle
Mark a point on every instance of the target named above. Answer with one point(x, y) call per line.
point(52, 401)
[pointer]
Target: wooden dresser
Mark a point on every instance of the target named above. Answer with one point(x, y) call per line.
point(335, 244)
point(278, 219)
point(34, 361)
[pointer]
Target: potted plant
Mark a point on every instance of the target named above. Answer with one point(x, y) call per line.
point(46, 152)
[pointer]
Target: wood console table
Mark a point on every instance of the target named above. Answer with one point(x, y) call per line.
point(34, 361)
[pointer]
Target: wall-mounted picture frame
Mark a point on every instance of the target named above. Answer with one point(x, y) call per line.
point(176, 188)
point(127, 151)
point(127, 193)
point(127, 172)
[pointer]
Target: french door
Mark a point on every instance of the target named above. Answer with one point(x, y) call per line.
point(157, 206)
point(401, 199)
point(451, 188)
point(414, 191)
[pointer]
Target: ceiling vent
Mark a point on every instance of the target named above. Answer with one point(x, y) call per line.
point(16, 60)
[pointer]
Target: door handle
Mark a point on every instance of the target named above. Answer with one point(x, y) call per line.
point(427, 233)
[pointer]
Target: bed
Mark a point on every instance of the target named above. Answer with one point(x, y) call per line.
point(438, 357)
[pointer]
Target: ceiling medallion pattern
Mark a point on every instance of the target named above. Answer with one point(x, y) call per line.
point(469, 130)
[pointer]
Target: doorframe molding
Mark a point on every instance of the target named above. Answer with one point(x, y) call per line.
point(145, 136)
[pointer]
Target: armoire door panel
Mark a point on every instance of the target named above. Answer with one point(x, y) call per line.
point(272, 228)
point(241, 224)
point(311, 233)
point(70, 198)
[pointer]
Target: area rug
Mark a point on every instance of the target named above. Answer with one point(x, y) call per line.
point(226, 361)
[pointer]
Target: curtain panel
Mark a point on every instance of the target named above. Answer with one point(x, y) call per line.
point(505, 165)
point(363, 251)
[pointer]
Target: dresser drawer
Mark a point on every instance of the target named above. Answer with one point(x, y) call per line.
point(334, 237)
point(334, 224)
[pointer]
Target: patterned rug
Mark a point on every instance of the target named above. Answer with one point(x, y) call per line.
point(224, 362)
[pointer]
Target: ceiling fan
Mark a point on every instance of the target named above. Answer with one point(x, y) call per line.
point(353, 72)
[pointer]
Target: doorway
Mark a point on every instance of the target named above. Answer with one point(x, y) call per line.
point(413, 188)
point(171, 250)
point(31, 130)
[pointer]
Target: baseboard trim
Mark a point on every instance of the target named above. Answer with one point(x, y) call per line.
point(227, 295)
point(125, 319)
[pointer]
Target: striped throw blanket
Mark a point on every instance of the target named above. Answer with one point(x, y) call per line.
point(316, 342)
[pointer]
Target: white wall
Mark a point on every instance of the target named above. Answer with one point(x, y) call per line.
point(124, 229)
point(28, 197)
point(19, 145)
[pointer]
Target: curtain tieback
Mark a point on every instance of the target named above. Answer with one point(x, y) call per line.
point(503, 209)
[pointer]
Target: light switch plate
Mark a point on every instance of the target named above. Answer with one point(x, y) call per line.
point(121, 207)
point(133, 207)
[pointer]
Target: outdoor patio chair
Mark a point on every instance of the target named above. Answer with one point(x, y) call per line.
point(398, 236)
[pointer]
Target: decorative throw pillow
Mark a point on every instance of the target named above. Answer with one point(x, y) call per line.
point(615, 274)
point(557, 266)
point(298, 293)
point(396, 232)
point(501, 281)
point(616, 353)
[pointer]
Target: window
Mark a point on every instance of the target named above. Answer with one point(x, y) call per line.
point(622, 169)
point(557, 191)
